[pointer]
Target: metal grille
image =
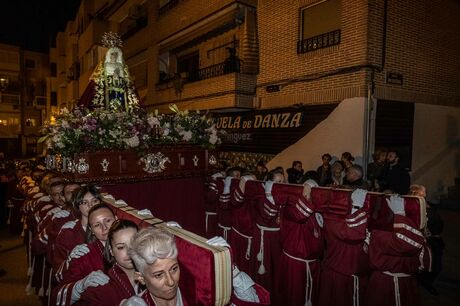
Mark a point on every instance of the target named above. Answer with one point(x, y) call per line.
point(319, 42)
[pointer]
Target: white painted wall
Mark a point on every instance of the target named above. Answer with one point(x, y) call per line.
point(436, 148)
point(341, 131)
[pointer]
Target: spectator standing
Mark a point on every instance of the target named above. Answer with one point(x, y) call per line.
point(295, 173)
point(375, 170)
point(324, 171)
point(396, 177)
point(261, 171)
point(337, 174)
point(347, 159)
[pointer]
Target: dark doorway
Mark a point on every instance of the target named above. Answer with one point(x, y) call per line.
point(394, 128)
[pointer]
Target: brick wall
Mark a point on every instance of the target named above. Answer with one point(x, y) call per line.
point(424, 46)
point(278, 27)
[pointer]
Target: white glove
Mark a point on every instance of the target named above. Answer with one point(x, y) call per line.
point(173, 224)
point(243, 287)
point(268, 191)
point(77, 252)
point(396, 204)
point(218, 241)
point(61, 214)
point(69, 225)
point(121, 202)
point(358, 197)
point(217, 175)
point(94, 279)
point(307, 188)
point(145, 212)
point(227, 183)
point(53, 211)
point(133, 301)
point(109, 197)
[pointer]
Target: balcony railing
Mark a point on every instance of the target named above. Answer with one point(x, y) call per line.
point(213, 71)
point(10, 99)
point(204, 73)
point(319, 42)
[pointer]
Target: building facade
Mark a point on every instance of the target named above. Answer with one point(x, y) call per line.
point(365, 74)
point(23, 99)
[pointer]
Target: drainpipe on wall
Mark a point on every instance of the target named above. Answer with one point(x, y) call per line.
point(369, 125)
point(369, 107)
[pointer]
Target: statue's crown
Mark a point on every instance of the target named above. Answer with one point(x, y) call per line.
point(110, 40)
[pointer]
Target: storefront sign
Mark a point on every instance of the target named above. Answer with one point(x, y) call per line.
point(268, 131)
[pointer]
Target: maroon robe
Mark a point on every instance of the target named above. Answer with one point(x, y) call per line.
point(395, 258)
point(70, 235)
point(344, 272)
point(302, 242)
point(224, 208)
point(211, 199)
point(78, 269)
point(267, 246)
point(116, 290)
point(244, 225)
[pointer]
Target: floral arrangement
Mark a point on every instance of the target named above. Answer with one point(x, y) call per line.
point(84, 130)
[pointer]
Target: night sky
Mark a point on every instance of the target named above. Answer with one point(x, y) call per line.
point(33, 24)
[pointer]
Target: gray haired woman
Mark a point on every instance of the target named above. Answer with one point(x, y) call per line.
point(154, 254)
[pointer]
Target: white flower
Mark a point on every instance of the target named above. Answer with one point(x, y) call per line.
point(153, 121)
point(132, 142)
point(166, 132)
point(65, 124)
point(60, 144)
point(213, 138)
point(115, 133)
point(186, 135)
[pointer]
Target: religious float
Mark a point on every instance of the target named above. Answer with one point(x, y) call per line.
point(158, 161)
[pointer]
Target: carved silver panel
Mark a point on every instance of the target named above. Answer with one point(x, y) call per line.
point(155, 163)
point(195, 161)
point(212, 160)
point(105, 165)
point(82, 166)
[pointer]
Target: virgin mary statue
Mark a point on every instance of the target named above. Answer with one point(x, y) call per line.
point(110, 85)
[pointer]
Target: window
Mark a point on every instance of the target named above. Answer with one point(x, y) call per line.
point(320, 26)
point(30, 63)
point(53, 98)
